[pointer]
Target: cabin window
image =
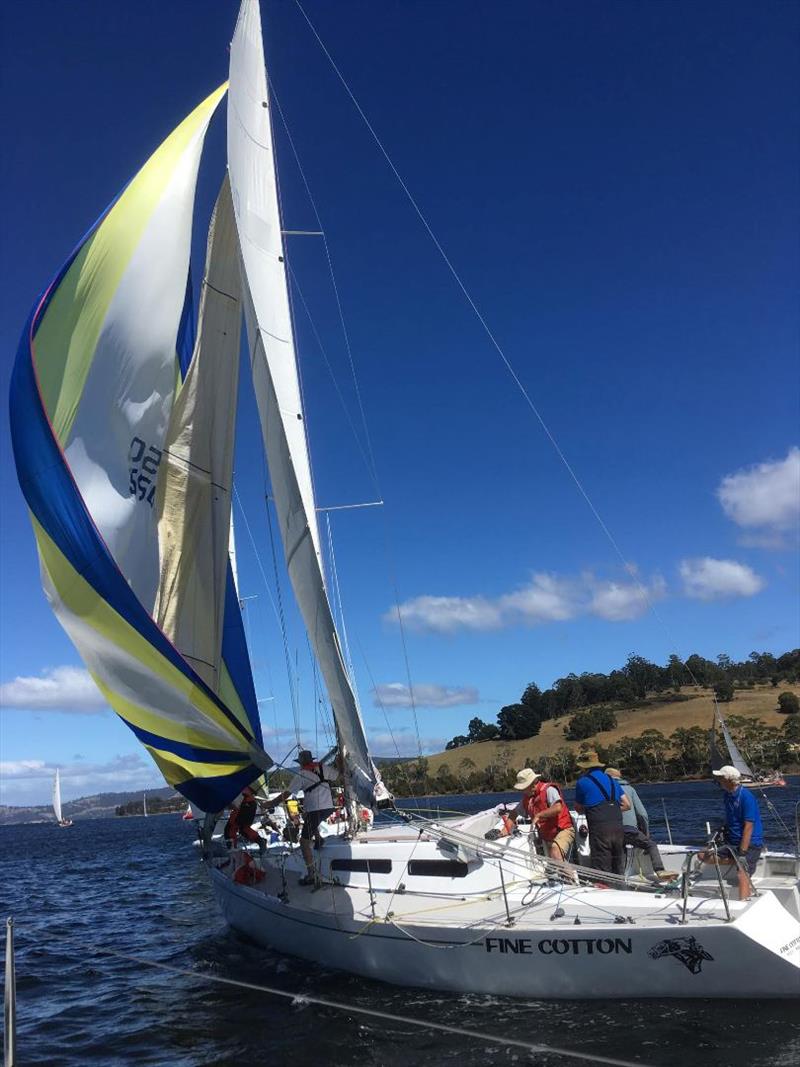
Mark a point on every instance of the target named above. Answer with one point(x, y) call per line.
point(364, 866)
point(438, 868)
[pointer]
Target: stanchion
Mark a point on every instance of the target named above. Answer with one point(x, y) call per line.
point(10, 1001)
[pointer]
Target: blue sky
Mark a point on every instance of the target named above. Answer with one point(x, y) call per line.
point(616, 185)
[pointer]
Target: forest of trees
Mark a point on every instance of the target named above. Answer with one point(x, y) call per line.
point(650, 757)
point(624, 688)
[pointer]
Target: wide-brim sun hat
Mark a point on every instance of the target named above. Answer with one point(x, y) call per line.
point(590, 759)
point(526, 777)
point(728, 772)
point(305, 756)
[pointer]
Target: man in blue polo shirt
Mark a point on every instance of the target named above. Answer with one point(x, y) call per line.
point(603, 801)
point(744, 834)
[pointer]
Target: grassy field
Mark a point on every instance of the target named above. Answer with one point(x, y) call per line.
point(758, 703)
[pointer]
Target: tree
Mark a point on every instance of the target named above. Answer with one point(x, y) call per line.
point(723, 691)
point(518, 721)
point(788, 704)
point(482, 731)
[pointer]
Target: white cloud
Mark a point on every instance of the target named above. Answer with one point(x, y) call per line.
point(403, 743)
point(766, 495)
point(618, 601)
point(715, 579)
point(69, 689)
point(397, 695)
point(28, 781)
point(448, 613)
point(546, 598)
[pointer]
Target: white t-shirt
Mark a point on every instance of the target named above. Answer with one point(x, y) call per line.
point(316, 795)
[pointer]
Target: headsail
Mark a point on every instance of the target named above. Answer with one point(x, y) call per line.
point(272, 352)
point(57, 797)
point(91, 403)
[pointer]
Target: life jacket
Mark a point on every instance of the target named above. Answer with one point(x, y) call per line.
point(552, 825)
point(247, 812)
point(248, 873)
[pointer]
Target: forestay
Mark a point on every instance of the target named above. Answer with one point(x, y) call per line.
point(92, 404)
point(275, 377)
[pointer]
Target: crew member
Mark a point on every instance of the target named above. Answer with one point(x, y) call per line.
point(744, 834)
point(602, 800)
point(636, 824)
point(543, 803)
point(313, 778)
point(240, 820)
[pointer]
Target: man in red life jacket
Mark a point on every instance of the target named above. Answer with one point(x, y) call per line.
point(240, 820)
point(543, 803)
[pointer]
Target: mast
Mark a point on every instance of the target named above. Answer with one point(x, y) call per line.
point(254, 188)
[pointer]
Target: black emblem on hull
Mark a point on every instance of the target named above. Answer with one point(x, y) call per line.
point(685, 949)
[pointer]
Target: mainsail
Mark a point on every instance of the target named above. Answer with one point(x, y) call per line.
point(714, 754)
point(57, 797)
point(92, 411)
point(269, 327)
point(737, 759)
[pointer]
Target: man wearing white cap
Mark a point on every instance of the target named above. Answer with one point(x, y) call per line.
point(744, 834)
point(543, 803)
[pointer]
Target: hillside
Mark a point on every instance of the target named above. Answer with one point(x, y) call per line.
point(697, 710)
point(99, 806)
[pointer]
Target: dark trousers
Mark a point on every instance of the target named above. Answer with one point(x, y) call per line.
point(640, 840)
point(607, 843)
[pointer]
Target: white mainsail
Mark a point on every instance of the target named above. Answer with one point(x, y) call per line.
point(57, 797)
point(253, 178)
point(737, 759)
point(194, 491)
point(144, 804)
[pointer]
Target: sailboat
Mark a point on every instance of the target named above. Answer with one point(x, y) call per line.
point(62, 822)
point(123, 419)
point(144, 804)
point(750, 779)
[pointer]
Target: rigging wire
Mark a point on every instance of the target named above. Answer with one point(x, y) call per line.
point(629, 568)
point(279, 614)
point(369, 456)
point(301, 999)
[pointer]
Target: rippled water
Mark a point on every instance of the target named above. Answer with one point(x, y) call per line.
point(137, 886)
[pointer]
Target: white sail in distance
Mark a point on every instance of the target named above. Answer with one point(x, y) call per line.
point(57, 797)
point(251, 166)
point(737, 759)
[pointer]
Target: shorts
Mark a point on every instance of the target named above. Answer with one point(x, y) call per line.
point(564, 839)
point(311, 821)
point(749, 860)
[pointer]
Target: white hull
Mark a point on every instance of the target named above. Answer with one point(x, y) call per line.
point(563, 941)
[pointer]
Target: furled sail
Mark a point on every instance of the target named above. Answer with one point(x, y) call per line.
point(57, 797)
point(92, 400)
point(737, 759)
point(272, 353)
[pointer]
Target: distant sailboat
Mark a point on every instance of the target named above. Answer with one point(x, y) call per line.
point(737, 760)
point(57, 802)
point(144, 804)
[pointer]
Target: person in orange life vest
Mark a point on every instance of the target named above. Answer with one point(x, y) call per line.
point(543, 803)
point(240, 820)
